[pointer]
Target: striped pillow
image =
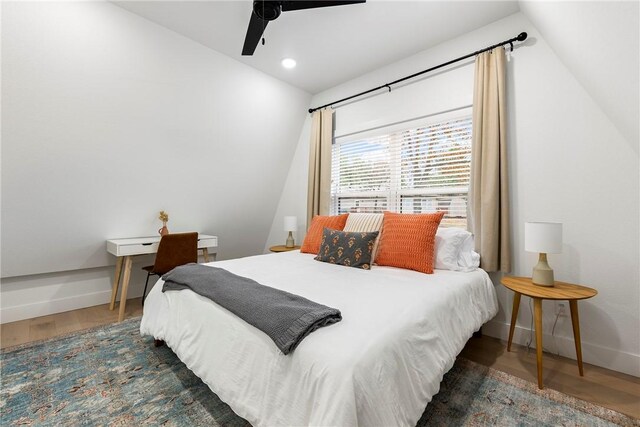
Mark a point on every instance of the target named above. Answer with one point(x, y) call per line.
point(408, 241)
point(365, 222)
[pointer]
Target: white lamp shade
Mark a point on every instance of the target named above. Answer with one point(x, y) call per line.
point(545, 237)
point(290, 223)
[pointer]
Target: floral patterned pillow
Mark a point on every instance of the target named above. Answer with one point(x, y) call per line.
point(353, 249)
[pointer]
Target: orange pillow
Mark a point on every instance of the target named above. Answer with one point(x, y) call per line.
point(311, 244)
point(408, 241)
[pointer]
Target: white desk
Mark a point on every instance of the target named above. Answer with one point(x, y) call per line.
point(126, 249)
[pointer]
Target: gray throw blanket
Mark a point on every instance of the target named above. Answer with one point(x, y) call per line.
point(285, 317)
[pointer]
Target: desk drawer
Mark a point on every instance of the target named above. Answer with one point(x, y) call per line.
point(149, 245)
point(209, 242)
point(137, 249)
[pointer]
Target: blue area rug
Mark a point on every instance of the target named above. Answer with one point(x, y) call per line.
point(113, 376)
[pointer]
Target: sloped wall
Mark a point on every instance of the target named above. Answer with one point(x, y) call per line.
point(568, 163)
point(108, 118)
point(598, 41)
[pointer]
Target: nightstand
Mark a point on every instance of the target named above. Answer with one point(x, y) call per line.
point(559, 291)
point(283, 248)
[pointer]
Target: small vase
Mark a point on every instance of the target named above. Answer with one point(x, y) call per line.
point(164, 230)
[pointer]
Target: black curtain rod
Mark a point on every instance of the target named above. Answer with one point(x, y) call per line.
point(520, 37)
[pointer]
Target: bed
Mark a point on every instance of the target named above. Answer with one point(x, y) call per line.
point(401, 332)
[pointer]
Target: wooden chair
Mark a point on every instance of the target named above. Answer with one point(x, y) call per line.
point(174, 250)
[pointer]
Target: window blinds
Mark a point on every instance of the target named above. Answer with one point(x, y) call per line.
point(413, 170)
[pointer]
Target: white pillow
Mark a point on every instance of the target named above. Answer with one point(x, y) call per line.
point(454, 250)
point(468, 258)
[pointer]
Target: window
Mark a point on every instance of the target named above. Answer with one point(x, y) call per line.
point(419, 169)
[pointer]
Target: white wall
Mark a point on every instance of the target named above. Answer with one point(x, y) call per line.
point(600, 49)
point(108, 118)
point(293, 200)
point(568, 163)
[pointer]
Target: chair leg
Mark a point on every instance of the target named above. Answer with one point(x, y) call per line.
point(144, 293)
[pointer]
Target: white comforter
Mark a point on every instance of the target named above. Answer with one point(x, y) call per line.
point(380, 366)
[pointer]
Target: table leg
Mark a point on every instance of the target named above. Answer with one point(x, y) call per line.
point(514, 317)
point(537, 310)
point(575, 321)
point(125, 286)
point(116, 283)
point(205, 254)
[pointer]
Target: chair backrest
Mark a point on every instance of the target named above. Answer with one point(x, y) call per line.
point(174, 250)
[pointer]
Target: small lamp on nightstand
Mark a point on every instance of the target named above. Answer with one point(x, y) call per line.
point(290, 225)
point(545, 238)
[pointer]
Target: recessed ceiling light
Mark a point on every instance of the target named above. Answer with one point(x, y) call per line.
point(288, 63)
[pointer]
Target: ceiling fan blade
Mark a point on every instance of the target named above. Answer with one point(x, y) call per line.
point(254, 33)
point(299, 5)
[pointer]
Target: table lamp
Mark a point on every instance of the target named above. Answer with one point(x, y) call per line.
point(290, 225)
point(545, 238)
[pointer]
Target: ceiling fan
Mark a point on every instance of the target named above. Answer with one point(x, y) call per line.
point(265, 11)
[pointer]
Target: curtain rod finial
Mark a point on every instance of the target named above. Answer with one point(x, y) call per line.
point(522, 36)
point(310, 110)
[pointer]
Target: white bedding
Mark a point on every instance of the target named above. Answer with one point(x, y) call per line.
point(380, 366)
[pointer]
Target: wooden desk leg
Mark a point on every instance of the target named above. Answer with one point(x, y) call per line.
point(116, 283)
point(514, 317)
point(575, 321)
point(205, 254)
point(537, 310)
point(125, 287)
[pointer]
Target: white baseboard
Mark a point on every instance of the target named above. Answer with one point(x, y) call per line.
point(43, 308)
point(594, 354)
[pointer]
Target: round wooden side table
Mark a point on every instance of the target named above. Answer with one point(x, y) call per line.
point(559, 291)
point(283, 248)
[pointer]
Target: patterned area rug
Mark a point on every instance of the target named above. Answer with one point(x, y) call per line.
point(112, 376)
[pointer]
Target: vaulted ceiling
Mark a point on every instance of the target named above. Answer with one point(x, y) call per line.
point(601, 48)
point(331, 45)
point(597, 41)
